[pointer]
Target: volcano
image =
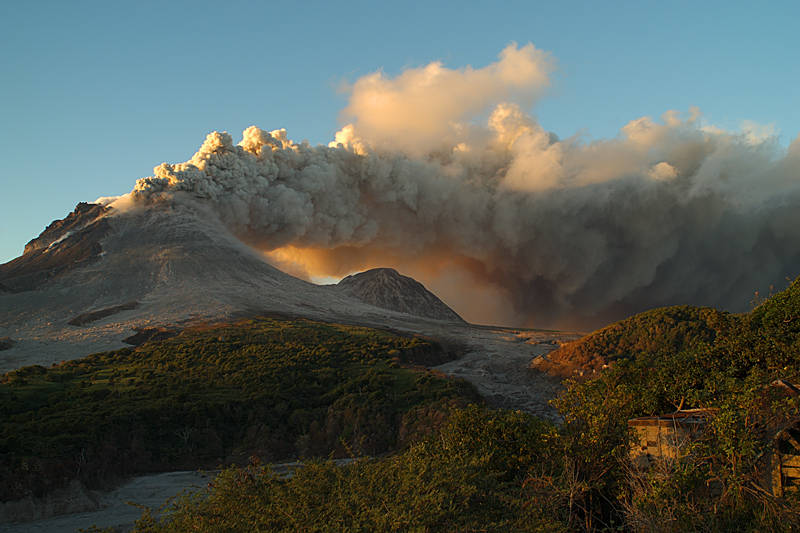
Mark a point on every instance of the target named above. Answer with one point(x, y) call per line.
point(100, 275)
point(388, 289)
point(107, 277)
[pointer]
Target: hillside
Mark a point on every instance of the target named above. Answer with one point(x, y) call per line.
point(388, 289)
point(658, 332)
point(503, 471)
point(108, 277)
point(268, 388)
point(101, 274)
point(63, 246)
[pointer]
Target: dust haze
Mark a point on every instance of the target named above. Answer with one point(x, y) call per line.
point(446, 175)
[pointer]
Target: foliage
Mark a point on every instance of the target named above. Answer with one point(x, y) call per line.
point(500, 471)
point(272, 388)
point(470, 477)
point(716, 483)
point(479, 469)
point(659, 333)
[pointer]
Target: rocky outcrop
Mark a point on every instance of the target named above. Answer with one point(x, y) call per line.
point(388, 289)
point(83, 215)
point(144, 335)
point(93, 316)
point(6, 343)
point(62, 247)
point(74, 498)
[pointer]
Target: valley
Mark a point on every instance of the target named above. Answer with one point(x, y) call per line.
point(176, 347)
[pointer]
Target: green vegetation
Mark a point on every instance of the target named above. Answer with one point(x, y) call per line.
point(274, 389)
point(471, 476)
point(504, 471)
point(715, 485)
point(660, 332)
point(267, 388)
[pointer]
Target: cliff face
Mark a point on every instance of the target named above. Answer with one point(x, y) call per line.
point(388, 289)
point(62, 247)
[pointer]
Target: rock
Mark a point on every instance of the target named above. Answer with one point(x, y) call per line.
point(144, 335)
point(62, 247)
point(74, 498)
point(93, 316)
point(388, 289)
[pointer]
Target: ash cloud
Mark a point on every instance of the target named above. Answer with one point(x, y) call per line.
point(443, 174)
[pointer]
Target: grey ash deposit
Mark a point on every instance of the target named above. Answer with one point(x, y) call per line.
point(102, 274)
point(388, 289)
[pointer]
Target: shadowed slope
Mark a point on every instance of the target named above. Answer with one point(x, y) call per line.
point(62, 247)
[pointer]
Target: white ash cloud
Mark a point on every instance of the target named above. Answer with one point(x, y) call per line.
point(428, 108)
point(566, 232)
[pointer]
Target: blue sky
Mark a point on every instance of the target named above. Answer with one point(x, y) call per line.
point(93, 95)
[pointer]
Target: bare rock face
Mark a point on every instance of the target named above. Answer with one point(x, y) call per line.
point(63, 246)
point(6, 343)
point(145, 335)
point(388, 289)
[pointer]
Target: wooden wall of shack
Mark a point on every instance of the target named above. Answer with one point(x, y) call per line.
point(666, 438)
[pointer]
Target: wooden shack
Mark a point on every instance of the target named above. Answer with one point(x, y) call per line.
point(780, 471)
point(666, 437)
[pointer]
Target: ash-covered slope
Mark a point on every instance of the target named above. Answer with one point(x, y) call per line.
point(63, 246)
point(98, 276)
point(159, 267)
point(388, 289)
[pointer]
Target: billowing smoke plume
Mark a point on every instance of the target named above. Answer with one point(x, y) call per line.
point(443, 174)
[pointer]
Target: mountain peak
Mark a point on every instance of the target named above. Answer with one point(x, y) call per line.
point(388, 289)
point(83, 215)
point(63, 246)
point(92, 279)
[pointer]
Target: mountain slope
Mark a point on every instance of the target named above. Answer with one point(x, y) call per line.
point(62, 247)
point(94, 278)
point(659, 332)
point(388, 289)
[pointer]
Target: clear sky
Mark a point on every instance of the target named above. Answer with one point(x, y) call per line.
point(93, 95)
